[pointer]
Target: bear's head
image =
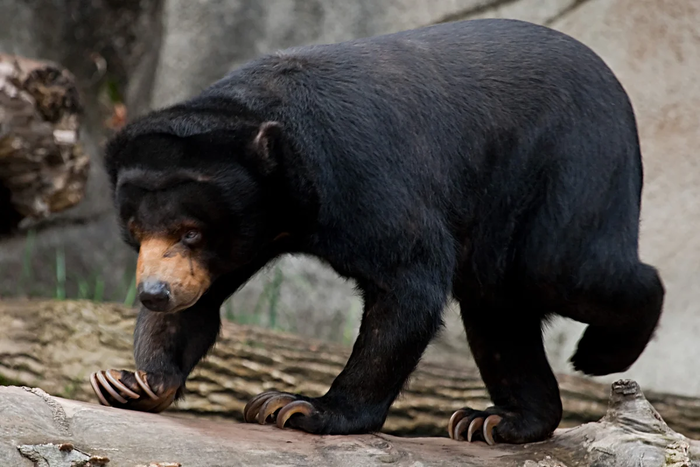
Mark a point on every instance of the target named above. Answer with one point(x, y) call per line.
point(195, 198)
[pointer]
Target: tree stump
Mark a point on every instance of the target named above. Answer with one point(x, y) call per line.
point(43, 168)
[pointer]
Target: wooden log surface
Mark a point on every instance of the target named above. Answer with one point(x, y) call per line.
point(38, 429)
point(56, 344)
point(43, 168)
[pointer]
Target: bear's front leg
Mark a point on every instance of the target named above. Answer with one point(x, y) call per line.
point(399, 321)
point(167, 346)
point(506, 341)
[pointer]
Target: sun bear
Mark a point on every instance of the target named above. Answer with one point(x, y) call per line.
point(493, 161)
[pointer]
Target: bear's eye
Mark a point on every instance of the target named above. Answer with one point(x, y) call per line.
point(192, 237)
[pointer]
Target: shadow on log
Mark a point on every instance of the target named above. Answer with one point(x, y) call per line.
point(55, 345)
point(43, 169)
point(52, 432)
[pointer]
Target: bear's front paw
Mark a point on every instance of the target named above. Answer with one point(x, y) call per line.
point(497, 425)
point(320, 415)
point(134, 391)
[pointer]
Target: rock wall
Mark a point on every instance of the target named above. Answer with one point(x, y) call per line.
point(159, 51)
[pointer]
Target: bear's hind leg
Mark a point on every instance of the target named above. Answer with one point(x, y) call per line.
point(622, 314)
point(507, 345)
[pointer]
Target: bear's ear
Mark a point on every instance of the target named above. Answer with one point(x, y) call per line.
point(265, 142)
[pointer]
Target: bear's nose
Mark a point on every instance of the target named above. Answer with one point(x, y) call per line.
point(155, 295)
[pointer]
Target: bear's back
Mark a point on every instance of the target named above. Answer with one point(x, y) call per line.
point(443, 111)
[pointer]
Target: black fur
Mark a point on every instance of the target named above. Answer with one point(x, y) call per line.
point(495, 160)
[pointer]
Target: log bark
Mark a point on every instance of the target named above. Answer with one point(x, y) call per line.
point(52, 432)
point(43, 168)
point(56, 344)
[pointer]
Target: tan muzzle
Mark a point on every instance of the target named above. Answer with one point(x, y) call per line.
point(168, 275)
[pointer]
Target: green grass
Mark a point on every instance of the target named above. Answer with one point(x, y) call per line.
point(131, 293)
point(112, 90)
point(227, 310)
point(4, 381)
point(70, 389)
point(60, 274)
point(27, 257)
point(270, 296)
point(83, 289)
point(99, 289)
point(67, 285)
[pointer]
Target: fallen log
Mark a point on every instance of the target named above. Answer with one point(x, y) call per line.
point(43, 168)
point(53, 432)
point(55, 345)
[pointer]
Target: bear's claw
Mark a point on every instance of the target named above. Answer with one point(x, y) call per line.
point(141, 380)
point(267, 404)
point(111, 390)
point(473, 422)
point(272, 404)
point(108, 381)
point(301, 407)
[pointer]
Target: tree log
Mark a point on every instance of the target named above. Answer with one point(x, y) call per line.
point(43, 169)
point(56, 344)
point(53, 432)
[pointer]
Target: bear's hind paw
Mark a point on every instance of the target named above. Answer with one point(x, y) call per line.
point(475, 423)
point(277, 406)
point(499, 425)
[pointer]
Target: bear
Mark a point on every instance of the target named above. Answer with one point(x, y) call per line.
point(494, 162)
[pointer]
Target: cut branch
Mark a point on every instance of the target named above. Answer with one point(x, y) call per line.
point(56, 345)
point(43, 169)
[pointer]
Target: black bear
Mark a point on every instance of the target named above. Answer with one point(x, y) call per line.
point(495, 161)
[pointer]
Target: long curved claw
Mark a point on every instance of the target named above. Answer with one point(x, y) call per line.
point(273, 404)
point(251, 409)
point(454, 421)
point(143, 383)
point(489, 424)
point(460, 428)
point(109, 374)
point(108, 387)
point(266, 404)
point(470, 422)
point(473, 428)
point(127, 390)
point(297, 407)
point(96, 387)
